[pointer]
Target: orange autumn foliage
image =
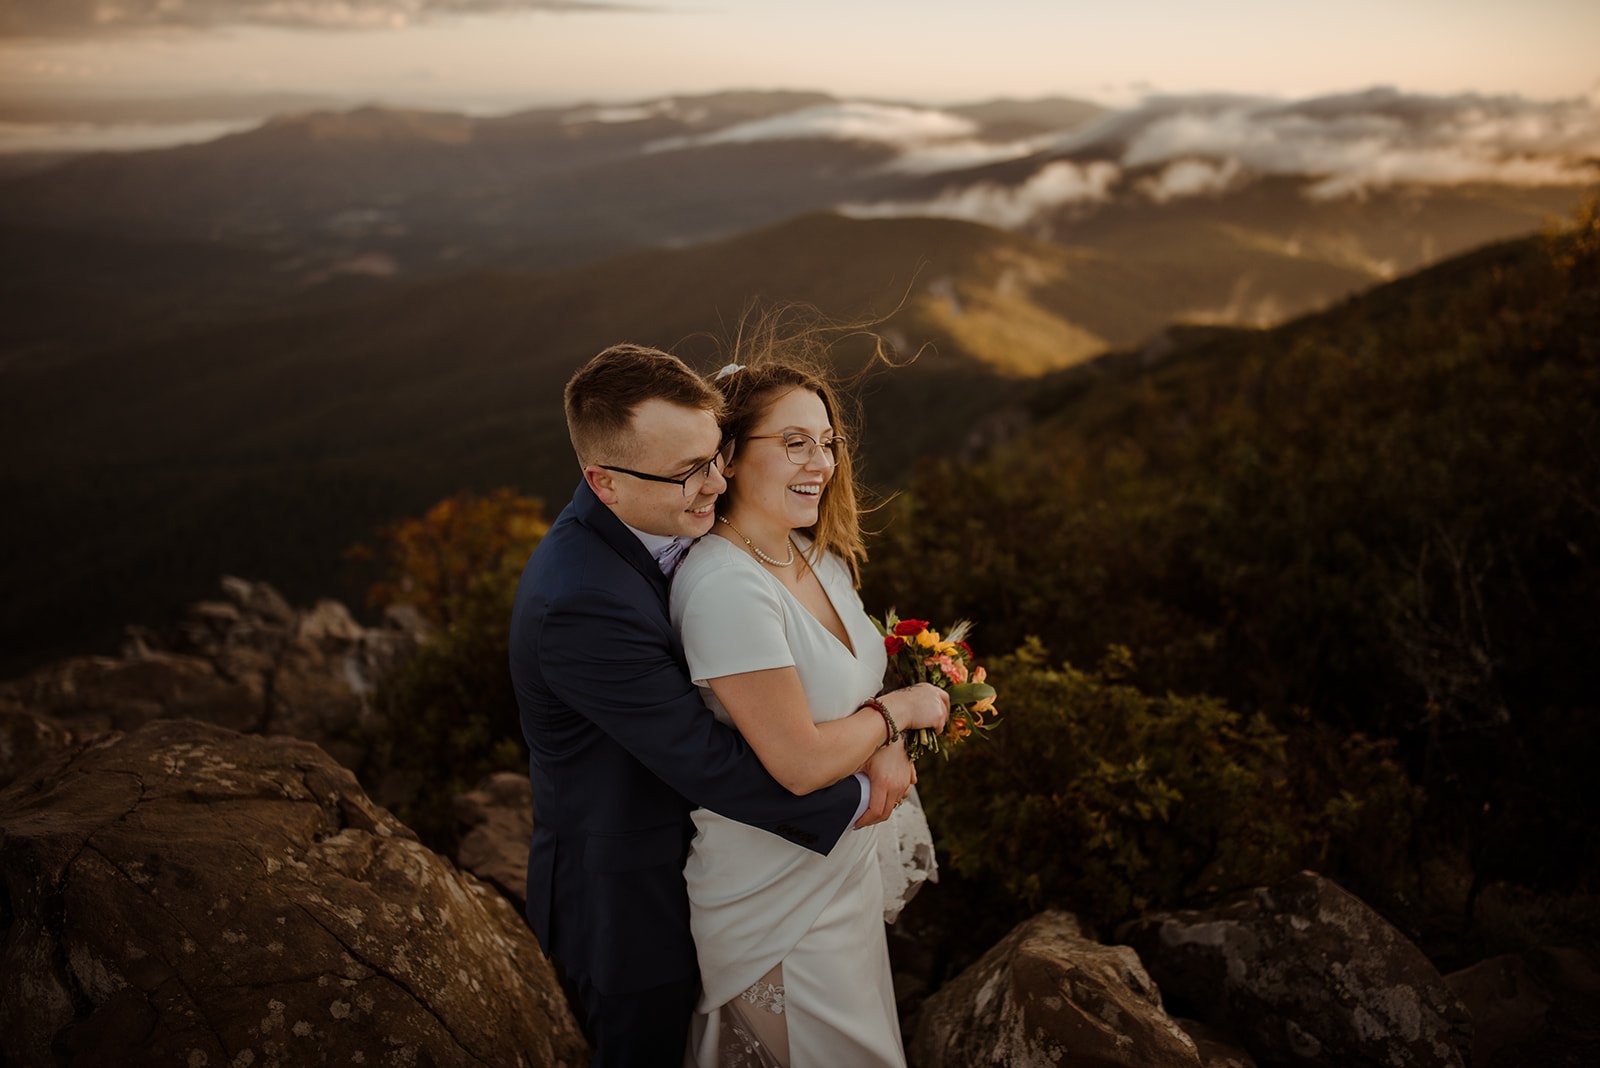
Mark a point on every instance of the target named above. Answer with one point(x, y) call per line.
point(437, 560)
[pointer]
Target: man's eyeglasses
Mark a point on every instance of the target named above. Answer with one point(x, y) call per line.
point(801, 447)
point(691, 483)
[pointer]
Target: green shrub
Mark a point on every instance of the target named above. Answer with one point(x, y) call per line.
point(448, 716)
point(1098, 797)
point(1378, 526)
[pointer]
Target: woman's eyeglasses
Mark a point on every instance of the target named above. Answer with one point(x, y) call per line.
point(801, 448)
point(691, 483)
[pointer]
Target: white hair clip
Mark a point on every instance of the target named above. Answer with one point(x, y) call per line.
point(728, 370)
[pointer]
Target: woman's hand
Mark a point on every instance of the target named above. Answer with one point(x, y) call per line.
point(891, 774)
point(917, 707)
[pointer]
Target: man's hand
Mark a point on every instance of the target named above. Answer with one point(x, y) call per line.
point(891, 774)
point(919, 706)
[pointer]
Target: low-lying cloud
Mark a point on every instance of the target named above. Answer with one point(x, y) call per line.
point(1345, 145)
point(82, 18)
point(100, 137)
point(1191, 178)
point(885, 124)
point(1175, 147)
point(924, 140)
point(1353, 143)
point(1054, 186)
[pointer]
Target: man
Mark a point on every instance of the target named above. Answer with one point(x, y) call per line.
point(621, 746)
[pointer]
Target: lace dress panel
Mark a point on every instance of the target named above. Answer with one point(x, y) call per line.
point(754, 1032)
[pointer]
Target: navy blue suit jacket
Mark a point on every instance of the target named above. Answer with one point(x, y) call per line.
point(621, 748)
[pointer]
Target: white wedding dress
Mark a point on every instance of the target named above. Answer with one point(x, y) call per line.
point(791, 944)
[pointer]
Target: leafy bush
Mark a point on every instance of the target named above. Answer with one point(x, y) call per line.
point(1098, 797)
point(1377, 526)
point(448, 717)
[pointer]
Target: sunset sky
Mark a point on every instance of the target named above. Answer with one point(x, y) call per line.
point(492, 54)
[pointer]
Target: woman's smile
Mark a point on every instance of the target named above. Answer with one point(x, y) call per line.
point(770, 492)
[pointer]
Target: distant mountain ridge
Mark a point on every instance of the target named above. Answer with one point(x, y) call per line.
point(268, 445)
point(261, 346)
point(1182, 183)
point(282, 438)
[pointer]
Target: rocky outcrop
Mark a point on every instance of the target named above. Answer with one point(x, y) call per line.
point(249, 662)
point(26, 739)
point(496, 823)
point(94, 694)
point(1046, 995)
point(1540, 1007)
point(1303, 973)
point(183, 894)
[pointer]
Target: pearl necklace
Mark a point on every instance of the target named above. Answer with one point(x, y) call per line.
point(763, 557)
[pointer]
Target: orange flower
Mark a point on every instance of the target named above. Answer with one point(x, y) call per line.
point(987, 704)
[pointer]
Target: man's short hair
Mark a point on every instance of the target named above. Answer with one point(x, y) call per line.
point(604, 393)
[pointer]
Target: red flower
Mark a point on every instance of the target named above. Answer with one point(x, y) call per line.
point(892, 644)
point(966, 648)
point(909, 628)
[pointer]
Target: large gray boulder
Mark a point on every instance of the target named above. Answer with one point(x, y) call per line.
point(1047, 995)
point(1304, 973)
point(186, 895)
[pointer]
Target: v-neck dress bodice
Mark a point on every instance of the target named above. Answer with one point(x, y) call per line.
point(735, 616)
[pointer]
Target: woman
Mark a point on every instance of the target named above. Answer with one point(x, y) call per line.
point(793, 959)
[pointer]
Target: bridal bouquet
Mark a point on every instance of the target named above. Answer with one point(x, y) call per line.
point(920, 654)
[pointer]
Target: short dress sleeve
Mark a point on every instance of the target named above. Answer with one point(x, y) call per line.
point(730, 619)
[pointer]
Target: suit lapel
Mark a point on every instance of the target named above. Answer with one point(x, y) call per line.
point(600, 519)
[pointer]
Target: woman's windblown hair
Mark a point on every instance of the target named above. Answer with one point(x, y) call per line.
point(788, 348)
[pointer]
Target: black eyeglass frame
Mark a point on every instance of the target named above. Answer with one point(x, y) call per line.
point(722, 458)
point(833, 458)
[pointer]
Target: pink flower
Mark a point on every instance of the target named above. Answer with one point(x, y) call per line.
point(953, 670)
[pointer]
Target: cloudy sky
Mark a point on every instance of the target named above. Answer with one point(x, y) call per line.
point(500, 53)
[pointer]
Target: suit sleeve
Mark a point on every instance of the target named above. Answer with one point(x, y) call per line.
point(607, 661)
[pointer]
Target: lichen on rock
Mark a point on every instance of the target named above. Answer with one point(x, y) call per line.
point(1303, 972)
point(183, 894)
point(1048, 995)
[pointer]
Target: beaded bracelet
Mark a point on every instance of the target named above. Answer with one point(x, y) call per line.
point(889, 724)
